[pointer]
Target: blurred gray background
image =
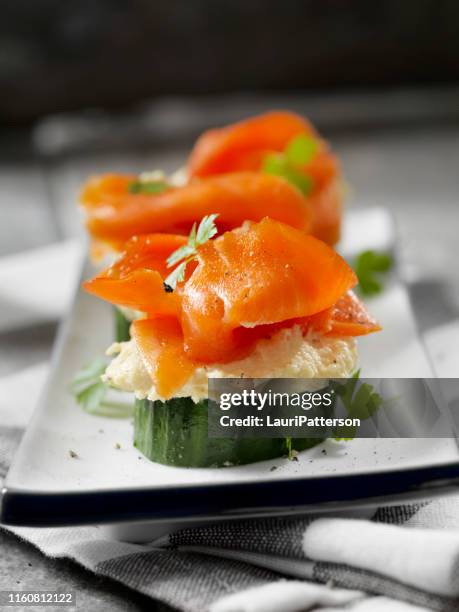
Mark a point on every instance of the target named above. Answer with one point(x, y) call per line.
point(111, 53)
point(126, 85)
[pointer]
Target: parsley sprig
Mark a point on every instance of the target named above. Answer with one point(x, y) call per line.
point(359, 399)
point(182, 256)
point(147, 187)
point(300, 150)
point(90, 391)
point(370, 267)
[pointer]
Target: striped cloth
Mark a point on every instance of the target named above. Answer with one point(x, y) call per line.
point(404, 558)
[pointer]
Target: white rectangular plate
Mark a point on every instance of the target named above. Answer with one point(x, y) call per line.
point(104, 484)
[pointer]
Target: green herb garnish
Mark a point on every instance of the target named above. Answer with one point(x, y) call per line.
point(299, 151)
point(206, 230)
point(147, 187)
point(370, 266)
point(91, 392)
point(288, 445)
point(277, 164)
point(361, 401)
point(87, 386)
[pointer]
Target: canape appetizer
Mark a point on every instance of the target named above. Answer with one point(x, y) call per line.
point(264, 300)
point(279, 167)
point(274, 165)
point(114, 213)
point(282, 144)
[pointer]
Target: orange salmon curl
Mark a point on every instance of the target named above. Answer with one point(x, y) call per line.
point(113, 214)
point(244, 145)
point(243, 285)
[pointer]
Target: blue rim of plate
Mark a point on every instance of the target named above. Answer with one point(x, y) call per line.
point(236, 500)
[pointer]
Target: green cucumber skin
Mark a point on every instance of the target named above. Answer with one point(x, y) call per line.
point(122, 326)
point(175, 433)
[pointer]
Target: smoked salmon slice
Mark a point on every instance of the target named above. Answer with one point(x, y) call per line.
point(160, 344)
point(135, 280)
point(107, 189)
point(149, 251)
point(259, 274)
point(241, 146)
point(234, 197)
point(245, 145)
point(327, 206)
point(349, 317)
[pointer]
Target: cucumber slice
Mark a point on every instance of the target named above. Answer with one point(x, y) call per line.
point(122, 326)
point(175, 433)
